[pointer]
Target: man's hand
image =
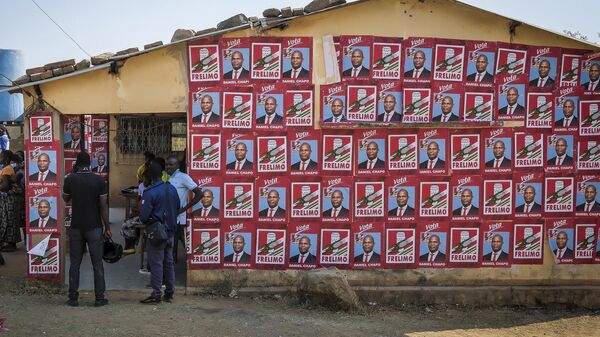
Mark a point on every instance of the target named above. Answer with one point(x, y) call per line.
point(107, 233)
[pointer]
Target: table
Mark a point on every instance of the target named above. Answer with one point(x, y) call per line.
point(129, 197)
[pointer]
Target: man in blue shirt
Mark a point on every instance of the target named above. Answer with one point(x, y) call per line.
point(160, 203)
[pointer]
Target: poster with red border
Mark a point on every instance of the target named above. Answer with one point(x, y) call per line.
point(585, 233)
point(356, 57)
point(587, 200)
point(297, 63)
point(498, 197)
point(272, 154)
point(305, 147)
point(481, 58)
point(529, 153)
point(205, 109)
point(272, 198)
point(338, 53)
point(447, 101)
point(370, 145)
point(333, 104)
point(361, 102)
point(188, 237)
point(478, 106)
point(69, 165)
point(400, 246)
point(209, 209)
point(544, 67)
point(239, 154)
point(68, 215)
point(389, 102)
point(540, 110)
point(402, 151)
point(266, 56)
point(464, 245)
point(386, 60)
point(369, 201)
point(528, 242)
point(237, 108)
point(433, 253)
point(47, 265)
point(100, 129)
point(529, 194)
point(416, 105)
point(497, 150)
point(235, 60)
point(559, 195)
point(338, 152)
point(465, 150)
point(304, 245)
point(590, 73)
point(570, 67)
point(449, 60)
point(466, 197)
point(73, 134)
point(434, 196)
point(299, 107)
point(206, 248)
point(337, 199)
point(589, 117)
point(496, 244)
point(43, 205)
point(335, 246)
point(367, 239)
point(269, 106)
point(433, 151)
point(99, 156)
point(510, 96)
point(560, 239)
point(271, 248)
point(237, 242)
point(238, 200)
point(40, 128)
point(43, 165)
point(205, 62)
point(305, 201)
point(511, 60)
point(560, 151)
point(402, 198)
point(566, 109)
point(588, 154)
point(418, 54)
point(206, 154)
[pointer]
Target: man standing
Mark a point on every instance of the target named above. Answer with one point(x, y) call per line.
point(296, 62)
point(87, 194)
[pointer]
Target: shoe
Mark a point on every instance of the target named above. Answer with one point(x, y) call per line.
point(101, 302)
point(129, 251)
point(150, 300)
point(73, 302)
point(144, 271)
point(168, 298)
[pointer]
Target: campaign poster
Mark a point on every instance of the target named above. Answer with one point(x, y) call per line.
point(481, 58)
point(400, 246)
point(589, 117)
point(335, 247)
point(333, 104)
point(47, 264)
point(205, 109)
point(43, 215)
point(585, 234)
point(544, 67)
point(402, 198)
point(529, 194)
point(208, 210)
point(434, 197)
point(559, 193)
point(370, 152)
point(272, 199)
point(464, 245)
point(402, 151)
point(188, 237)
point(205, 65)
point(68, 212)
point(433, 151)
point(540, 110)
point(272, 154)
point(478, 105)
point(369, 201)
point(590, 73)
point(73, 136)
point(269, 106)
point(305, 147)
point(418, 59)
point(239, 153)
point(433, 244)
point(465, 148)
point(587, 199)
point(266, 54)
point(497, 198)
point(367, 239)
point(561, 238)
point(337, 153)
point(496, 244)
point(337, 199)
point(271, 248)
point(528, 242)
point(69, 164)
point(361, 103)
point(100, 129)
point(566, 109)
point(237, 108)
point(338, 52)
point(588, 151)
point(206, 152)
point(447, 101)
point(42, 165)
point(389, 102)
point(560, 151)
point(356, 56)
point(305, 201)
point(297, 63)
point(511, 100)
point(237, 243)
point(206, 248)
point(99, 157)
point(304, 245)
point(235, 60)
point(570, 67)
point(497, 150)
point(417, 105)
point(298, 104)
point(511, 60)
point(466, 197)
point(386, 59)
point(529, 150)
point(449, 60)
point(238, 200)
point(40, 128)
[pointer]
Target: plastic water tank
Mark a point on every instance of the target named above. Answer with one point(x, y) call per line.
point(12, 65)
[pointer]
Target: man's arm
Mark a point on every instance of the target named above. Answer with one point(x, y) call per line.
point(191, 185)
point(146, 208)
point(102, 202)
point(66, 195)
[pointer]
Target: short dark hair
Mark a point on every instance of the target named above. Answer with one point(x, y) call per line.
point(154, 170)
point(83, 159)
point(160, 161)
point(148, 155)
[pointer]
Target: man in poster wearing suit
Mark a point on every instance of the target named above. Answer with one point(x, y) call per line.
point(305, 163)
point(207, 209)
point(513, 107)
point(336, 210)
point(357, 69)
point(403, 208)
point(206, 115)
point(467, 208)
point(237, 71)
point(590, 204)
point(240, 163)
point(44, 174)
point(368, 255)
point(446, 115)
point(561, 158)
point(75, 142)
point(499, 159)
point(297, 71)
point(543, 81)
point(238, 255)
point(419, 70)
point(568, 118)
point(372, 161)
point(530, 206)
point(496, 255)
point(562, 251)
point(481, 75)
point(304, 255)
point(434, 255)
point(44, 220)
point(337, 110)
point(390, 114)
point(593, 84)
point(433, 161)
point(270, 117)
point(101, 167)
point(273, 210)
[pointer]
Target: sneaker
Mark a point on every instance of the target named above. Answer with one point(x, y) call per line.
point(168, 298)
point(144, 271)
point(101, 302)
point(73, 302)
point(151, 300)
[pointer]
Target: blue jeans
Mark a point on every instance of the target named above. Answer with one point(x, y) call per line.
point(160, 259)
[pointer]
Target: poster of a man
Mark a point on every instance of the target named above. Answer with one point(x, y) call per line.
point(434, 254)
point(389, 113)
point(273, 209)
point(569, 118)
point(271, 116)
point(297, 70)
point(207, 114)
point(467, 208)
point(499, 159)
point(447, 114)
point(44, 219)
point(372, 161)
point(239, 254)
point(357, 69)
point(337, 208)
point(240, 162)
point(594, 78)
point(238, 71)
point(419, 69)
point(433, 160)
point(481, 73)
point(75, 134)
point(207, 209)
point(590, 204)
point(369, 254)
point(337, 112)
point(529, 204)
point(305, 162)
point(403, 209)
point(43, 168)
point(304, 255)
point(544, 80)
point(497, 254)
point(561, 157)
point(512, 107)
point(101, 166)
point(562, 251)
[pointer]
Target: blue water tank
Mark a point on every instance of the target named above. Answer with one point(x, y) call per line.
point(12, 65)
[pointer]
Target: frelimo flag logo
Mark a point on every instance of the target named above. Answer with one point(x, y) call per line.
point(386, 61)
point(511, 61)
point(465, 152)
point(266, 61)
point(559, 194)
point(497, 196)
point(270, 246)
point(239, 200)
point(402, 150)
point(306, 199)
point(478, 106)
point(400, 246)
point(434, 199)
point(335, 246)
point(449, 62)
point(237, 110)
point(272, 154)
point(204, 63)
point(206, 246)
point(369, 199)
point(206, 152)
point(337, 152)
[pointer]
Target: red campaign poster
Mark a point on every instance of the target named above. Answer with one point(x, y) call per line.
point(544, 67)
point(529, 194)
point(356, 56)
point(73, 136)
point(42, 165)
point(497, 198)
point(496, 243)
point(269, 106)
point(333, 103)
point(87, 125)
point(304, 245)
point(99, 157)
point(205, 65)
point(497, 150)
point(369, 201)
point(560, 238)
point(466, 197)
point(297, 59)
point(99, 129)
point(570, 67)
point(585, 233)
point(337, 199)
point(237, 108)
point(447, 101)
point(206, 248)
point(299, 107)
point(566, 109)
point(540, 110)
point(305, 147)
point(237, 242)
point(590, 73)
point(464, 245)
point(559, 195)
point(478, 106)
point(208, 210)
point(205, 109)
point(188, 237)
point(386, 58)
point(511, 59)
point(370, 152)
point(529, 150)
point(481, 58)
point(589, 117)
point(272, 154)
point(206, 154)
point(465, 150)
point(305, 202)
point(418, 59)
point(433, 151)
point(433, 244)
point(361, 102)
point(588, 150)
point(449, 60)
point(367, 239)
point(402, 151)
point(400, 246)
point(266, 53)
point(338, 53)
point(46, 261)
point(69, 166)
point(238, 200)
point(528, 242)
point(335, 247)
point(68, 212)
point(560, 151)
point(416, 105)
point(434, 197)
point(272, 199)
point(402, 198)
point(43, 210)
point(235, 59)
point(338, 153)
point(239, 153)
point(587, 199)
point(389, 102)
point(510, 96)
point(40, 128)
point(271, 248)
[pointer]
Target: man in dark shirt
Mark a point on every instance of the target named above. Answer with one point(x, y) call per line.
point(87, 194)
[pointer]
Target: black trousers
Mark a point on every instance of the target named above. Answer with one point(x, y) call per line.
point(95, 242)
